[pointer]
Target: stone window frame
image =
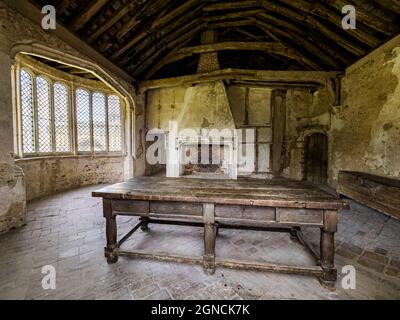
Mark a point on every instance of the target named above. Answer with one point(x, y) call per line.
point(72, 83)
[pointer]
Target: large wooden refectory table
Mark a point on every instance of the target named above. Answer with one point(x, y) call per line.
point(281, 205)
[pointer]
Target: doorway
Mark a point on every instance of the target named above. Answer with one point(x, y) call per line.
point(316, 158)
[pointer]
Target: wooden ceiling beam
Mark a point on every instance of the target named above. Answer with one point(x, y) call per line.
point(160, 64)
point(62, 6)
point(167, 32)
point(149, 47)
point(375, 9)
point(155, 50)
point(272, 47)
point(233, 15)
point(322, 11)
point(249, 34)
point(278, 35)
point(312, 43)
point(231, 6)
point(150, 29)
point(121, 12)
point(168, 51)
point(313, 25)
point(148, 9)
point(366, 17)
point(393, 5)
point(294, 78)
point(176, 13)
point(88, 11)
point(227, 24)
point(138, 59)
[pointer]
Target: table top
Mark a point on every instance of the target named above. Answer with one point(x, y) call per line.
point(278, 192)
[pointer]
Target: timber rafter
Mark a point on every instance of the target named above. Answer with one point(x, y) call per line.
point(145, 36)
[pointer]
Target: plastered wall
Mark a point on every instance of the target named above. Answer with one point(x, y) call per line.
point(366, 129)
point(45, 176)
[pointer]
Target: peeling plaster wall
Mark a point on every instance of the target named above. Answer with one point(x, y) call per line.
point(12, 188)
point(187, 106)
point(45, 176)
point(259, 108)
point(306, 112)
point(166, 104)
point(366, 129)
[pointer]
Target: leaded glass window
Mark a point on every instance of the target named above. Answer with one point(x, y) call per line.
point(27, 112)
point(62, 128)
point(99, 122)
point(53, 119)
point(114, 123)
point(45, 144)
point(83, 120)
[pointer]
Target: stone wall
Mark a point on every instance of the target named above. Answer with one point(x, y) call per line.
point(366, 129)
point(363, 131)
point(19, 33)
point(44, 176)
point(306, 112)
point(12, 189)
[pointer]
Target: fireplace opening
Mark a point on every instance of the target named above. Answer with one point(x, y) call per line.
point(205, 161)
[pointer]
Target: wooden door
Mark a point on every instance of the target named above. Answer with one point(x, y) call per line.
point(316, 158)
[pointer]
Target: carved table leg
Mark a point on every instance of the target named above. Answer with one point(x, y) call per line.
point(209, 238)
point(111, 232)
point(328, 279)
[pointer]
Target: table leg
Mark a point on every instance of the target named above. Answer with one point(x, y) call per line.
point(111, 232)
point(329, 276)
point(293, 233)
point(209, 238)
point(145, 224)
point(209, 248)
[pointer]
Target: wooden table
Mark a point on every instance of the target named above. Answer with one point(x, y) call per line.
point(269, 205)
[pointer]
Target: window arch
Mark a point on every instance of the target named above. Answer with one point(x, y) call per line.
point(47, 113)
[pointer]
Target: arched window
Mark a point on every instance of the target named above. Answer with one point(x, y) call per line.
point(114, 124)
point(27, 112)
point(62, 127)
point(83, 120)
point(48, 124)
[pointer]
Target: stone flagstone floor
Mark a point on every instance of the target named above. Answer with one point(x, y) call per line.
point(67, 231)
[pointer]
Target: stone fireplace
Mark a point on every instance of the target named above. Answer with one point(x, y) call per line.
point(207, 157)
point(203, 142)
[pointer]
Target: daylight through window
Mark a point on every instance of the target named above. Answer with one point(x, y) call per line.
point(50, 119)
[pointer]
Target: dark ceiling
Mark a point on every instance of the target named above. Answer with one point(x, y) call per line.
point(142, 36)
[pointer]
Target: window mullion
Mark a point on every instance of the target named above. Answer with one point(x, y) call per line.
point(17, 77)
point(122, 115)
point(73, 120)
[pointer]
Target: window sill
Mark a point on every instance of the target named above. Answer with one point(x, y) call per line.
point(94, 156)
